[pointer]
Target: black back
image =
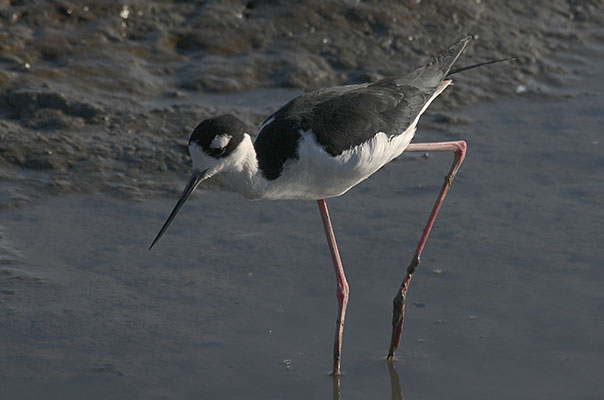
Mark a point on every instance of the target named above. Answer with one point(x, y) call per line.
point(208, 129)
point(346, 116)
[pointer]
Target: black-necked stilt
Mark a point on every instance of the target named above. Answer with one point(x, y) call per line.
point(321, 144)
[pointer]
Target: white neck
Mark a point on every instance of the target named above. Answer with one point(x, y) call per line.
point(244, 176)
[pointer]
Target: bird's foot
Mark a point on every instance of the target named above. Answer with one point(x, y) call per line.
point(398, 311)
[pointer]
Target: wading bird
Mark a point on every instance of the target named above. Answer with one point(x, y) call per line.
point(321, 144)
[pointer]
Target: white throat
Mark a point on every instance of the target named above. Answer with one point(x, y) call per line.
point(241, 174)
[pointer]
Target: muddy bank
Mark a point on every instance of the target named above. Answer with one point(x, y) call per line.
point(102, 96)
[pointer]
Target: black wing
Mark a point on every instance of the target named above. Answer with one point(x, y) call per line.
point(347, 116)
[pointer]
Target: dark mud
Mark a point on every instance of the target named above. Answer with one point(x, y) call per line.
point(101, 96)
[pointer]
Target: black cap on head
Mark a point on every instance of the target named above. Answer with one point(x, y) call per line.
point(227, 126)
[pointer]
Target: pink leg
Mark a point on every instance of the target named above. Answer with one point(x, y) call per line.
point(343, 290)
point(459, 147)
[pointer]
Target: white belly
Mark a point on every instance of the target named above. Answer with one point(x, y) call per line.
point(318, 175)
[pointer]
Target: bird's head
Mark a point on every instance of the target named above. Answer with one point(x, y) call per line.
point(213, 148)
point(213, 144)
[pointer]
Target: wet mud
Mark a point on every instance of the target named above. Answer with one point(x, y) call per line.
point(102, 96)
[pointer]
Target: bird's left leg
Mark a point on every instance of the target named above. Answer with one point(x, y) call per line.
point(459, 149)
point(342, 291)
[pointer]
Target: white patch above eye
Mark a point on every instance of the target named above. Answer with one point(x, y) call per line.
point(220, 141)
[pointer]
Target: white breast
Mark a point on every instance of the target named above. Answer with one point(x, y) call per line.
point(316, 174)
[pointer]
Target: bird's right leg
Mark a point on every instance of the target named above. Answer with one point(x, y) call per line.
point(459, 149)
point(342, 291)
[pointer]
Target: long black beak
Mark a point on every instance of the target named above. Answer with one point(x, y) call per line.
point(194, 181)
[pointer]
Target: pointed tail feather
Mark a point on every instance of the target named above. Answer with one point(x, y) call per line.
point(429, 76)
point(445, 60)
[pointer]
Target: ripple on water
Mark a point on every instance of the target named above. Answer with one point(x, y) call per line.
point(9, 256)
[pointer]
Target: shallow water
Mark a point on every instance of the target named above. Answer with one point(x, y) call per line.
point(238, 299)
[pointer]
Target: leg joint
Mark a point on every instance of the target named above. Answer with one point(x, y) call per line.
point(399, 300)
point(343, 293)
point(462, 147)
point(414, 264)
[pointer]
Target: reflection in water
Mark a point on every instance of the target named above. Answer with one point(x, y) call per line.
point(337, 394)
point(395, 384)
